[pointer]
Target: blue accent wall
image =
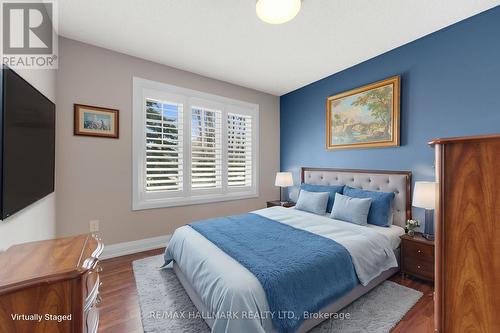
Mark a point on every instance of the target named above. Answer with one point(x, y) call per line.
point(450, 86)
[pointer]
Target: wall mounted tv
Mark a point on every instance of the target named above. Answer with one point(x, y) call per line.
point(27, 143)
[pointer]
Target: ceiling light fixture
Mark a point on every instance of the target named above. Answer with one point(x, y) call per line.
point(277, 11)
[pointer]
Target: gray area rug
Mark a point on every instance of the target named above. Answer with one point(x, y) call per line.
point(163, 299)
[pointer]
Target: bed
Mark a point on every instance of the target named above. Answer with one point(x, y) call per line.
point(231, 298)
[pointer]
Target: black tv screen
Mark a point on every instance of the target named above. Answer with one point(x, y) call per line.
point(27, 144)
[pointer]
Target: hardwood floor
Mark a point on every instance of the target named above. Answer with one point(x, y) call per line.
point(120, 312)
point(119, 309)
point(420, 319)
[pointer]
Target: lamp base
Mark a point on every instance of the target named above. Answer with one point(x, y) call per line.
point(429, 224)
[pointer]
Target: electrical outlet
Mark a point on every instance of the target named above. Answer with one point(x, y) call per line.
point(94, 225)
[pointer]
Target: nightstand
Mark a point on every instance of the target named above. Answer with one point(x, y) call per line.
point(417, 257)
point(278, 203)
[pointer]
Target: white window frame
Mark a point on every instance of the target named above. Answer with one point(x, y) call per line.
point(142, 199)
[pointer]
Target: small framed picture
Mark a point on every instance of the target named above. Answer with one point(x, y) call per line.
point(96, 121)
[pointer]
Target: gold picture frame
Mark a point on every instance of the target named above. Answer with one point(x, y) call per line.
point(365, 117)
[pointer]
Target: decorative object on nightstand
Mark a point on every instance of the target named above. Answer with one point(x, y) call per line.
point(417, 256)
point(411, 225)
point(283, 179)
point(424, 196)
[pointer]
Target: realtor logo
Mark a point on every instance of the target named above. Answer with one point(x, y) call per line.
point(28, 34)
point(27, 28)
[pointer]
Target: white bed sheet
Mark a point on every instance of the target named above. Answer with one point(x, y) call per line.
point(393, 233)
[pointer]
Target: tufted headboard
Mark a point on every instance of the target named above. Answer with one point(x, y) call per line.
point(398, 182)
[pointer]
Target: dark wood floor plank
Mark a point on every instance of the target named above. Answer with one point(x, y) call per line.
point(120, 312)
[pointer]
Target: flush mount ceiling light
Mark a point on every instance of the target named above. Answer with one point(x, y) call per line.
point(277, 11)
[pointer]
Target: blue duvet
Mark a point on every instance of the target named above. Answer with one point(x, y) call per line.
point(299, 271)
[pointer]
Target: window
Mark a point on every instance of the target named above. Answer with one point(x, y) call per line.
point(239, 150)
point(191, 147)
point(164, 152)
point(206, 148)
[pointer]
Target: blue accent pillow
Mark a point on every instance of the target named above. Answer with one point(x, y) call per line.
point(332, 189)
point(381, 207)
point(352, 210)
point(313, 202)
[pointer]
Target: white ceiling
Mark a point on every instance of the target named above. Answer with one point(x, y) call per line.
point(224, 39)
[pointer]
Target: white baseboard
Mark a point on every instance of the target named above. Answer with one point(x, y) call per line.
point(122, 249)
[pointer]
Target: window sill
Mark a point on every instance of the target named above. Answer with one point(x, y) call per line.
point(194, 200)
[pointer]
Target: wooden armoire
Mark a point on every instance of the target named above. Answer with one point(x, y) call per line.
point(467, 285)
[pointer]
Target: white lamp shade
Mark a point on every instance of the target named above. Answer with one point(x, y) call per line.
point(277, 11)
point(424, 195)
point(284, 179)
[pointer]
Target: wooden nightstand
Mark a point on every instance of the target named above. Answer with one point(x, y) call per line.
point(417, 257)
point(278, 203)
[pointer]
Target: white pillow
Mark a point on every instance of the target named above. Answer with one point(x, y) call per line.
point(353, 210)
point(313, 202)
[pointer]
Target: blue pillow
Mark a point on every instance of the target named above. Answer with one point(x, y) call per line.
point(313, 202)
point(333, 189)
point(381, 207)
point(353, 210)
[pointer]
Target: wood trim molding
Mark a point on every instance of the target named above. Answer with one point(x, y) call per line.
point(439, 244)
point(464, 138)
point(407, 175)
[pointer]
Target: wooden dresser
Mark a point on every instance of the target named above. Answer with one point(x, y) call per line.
point(467, 282)
point(51, 286)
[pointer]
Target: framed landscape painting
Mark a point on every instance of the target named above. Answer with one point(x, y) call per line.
point(365, 117)
point(95, 121)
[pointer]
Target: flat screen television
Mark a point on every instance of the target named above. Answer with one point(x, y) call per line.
point(27, 143)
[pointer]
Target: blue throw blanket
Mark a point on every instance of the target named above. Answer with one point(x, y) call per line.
point(299, 271)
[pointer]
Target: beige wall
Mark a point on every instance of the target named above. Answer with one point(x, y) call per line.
point(37, 221)
point(94, 175)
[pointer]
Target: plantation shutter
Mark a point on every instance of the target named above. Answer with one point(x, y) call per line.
point(191, 147)
point(239, 150)
point(164, 146)
point(206, 149)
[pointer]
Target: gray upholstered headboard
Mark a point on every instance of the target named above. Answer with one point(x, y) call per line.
point(398, 182)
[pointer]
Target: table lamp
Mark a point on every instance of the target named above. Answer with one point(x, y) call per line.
point(283, 179)
point(424, 196)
